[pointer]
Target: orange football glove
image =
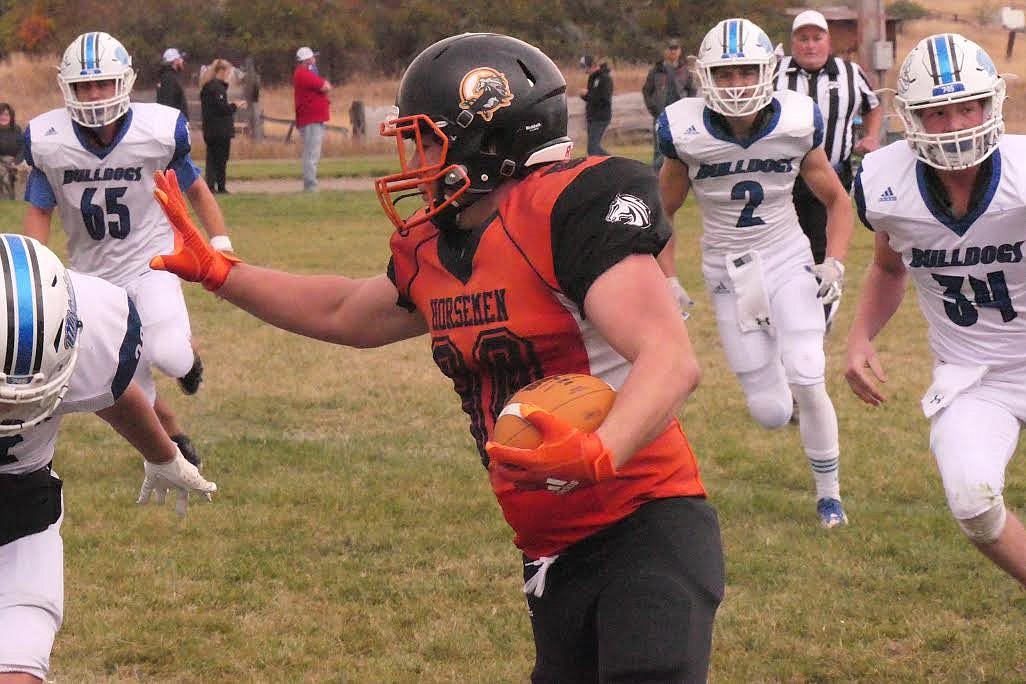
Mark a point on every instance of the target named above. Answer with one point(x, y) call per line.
point(566, 459)
point(193, 258)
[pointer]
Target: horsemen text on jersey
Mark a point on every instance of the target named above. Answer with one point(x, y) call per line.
point(475, 308)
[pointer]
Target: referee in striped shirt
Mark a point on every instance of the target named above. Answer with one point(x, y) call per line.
point(840, 89)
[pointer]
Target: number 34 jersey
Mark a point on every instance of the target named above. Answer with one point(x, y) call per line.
point(105, 195)
point(969, 272)
point(743, 187)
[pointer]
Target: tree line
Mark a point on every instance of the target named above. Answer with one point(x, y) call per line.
point(354, 36)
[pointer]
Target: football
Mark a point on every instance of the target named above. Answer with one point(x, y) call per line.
point(581, 400)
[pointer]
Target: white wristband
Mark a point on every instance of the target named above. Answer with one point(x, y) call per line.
point(222, 243)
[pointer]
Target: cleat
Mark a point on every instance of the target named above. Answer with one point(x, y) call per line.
point(831, 514)
point(190, 382)
point(188, 450)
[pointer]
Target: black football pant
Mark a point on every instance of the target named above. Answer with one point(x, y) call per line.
point(634, 602)
point(218, 150)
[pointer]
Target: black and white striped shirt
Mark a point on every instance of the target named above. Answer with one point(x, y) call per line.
point(840, 87)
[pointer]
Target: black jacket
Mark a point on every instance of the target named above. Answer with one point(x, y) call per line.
point(169, 90)
point(218, 112)
point(599, 98)
point(664, 86)
point(12, 142)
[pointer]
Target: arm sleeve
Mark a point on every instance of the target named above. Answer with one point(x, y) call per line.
point(609, 212)
point(859, 195)
point(308, 80)
point(869, 98)
point(185, 169)
point(647, 91)
point(128, 354)
point(817, 126)
point(664, 138)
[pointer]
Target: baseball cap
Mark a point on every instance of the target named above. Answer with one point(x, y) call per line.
point(304, 53)
point(171, 54)
point(809, 18)
point(673, 43)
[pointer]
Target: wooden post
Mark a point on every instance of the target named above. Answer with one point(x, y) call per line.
point(1010, 45)
point(252, 97)
point(358, 120)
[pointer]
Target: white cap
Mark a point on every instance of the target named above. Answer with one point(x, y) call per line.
point(304, 53)
point(810, 18)
point(171, 54)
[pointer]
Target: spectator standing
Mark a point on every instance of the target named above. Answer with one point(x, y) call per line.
point(668, 80)
point(12, 148)
point(218, 122)
point(598, 98)
point(169, 88)
point(841, 90)
point(312, 111)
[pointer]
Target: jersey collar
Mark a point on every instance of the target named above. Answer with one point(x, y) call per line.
point(101, 151)
point(717, 126)
point(984, 189)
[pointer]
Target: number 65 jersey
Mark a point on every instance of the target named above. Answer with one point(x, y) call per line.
point(105, 195)
point(969, 272)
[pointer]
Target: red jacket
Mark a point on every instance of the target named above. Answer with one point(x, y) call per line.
point(311, 104)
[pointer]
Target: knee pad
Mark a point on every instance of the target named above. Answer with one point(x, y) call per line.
point(803, 357)
point(768, 396)
point(171, 353)
point(771, 410)
point(986, 527)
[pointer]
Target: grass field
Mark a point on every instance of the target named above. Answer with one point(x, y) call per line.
point(355, 539)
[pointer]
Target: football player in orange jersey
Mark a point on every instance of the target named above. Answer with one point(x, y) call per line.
point(520, 263)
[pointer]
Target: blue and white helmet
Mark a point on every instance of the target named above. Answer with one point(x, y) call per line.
point(39, 329)
point(96, 56)
point(943, 69)
point(736, 42)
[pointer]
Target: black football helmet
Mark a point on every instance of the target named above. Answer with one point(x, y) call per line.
point(494, 106)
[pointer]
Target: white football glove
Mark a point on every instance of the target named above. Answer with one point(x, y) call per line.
point(177, 474)
point(830, 275)
point(684, 300)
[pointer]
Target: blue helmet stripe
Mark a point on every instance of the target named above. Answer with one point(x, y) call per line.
point(23, 299)
point(945, 64)
point(733, 37)
point(90, 51)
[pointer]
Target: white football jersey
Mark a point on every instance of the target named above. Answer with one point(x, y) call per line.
point(744, 188)
point(105, 196)
point(969, 272)
point(109, 345)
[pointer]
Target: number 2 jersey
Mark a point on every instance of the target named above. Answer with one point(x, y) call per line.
point(105, 194)
point(969, 272)
point(505, 306)
point(743, 187)
point(109, 343)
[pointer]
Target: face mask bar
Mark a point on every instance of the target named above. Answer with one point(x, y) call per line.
point(732, 100)
point(438, 184)
point(101, 112)
point(956, 149)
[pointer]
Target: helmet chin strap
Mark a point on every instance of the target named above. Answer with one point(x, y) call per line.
point(448, 217)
